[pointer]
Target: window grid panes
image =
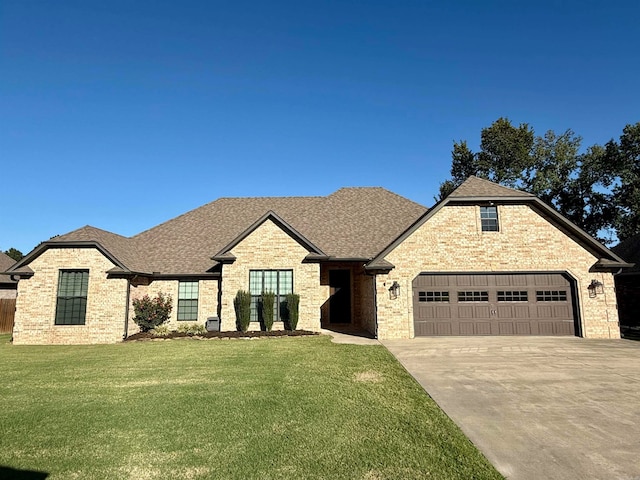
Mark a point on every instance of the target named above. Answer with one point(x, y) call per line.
point(433, 296)
point(473, 296)
point(513, 296)
point(551, 295)
point(188, 301)
point(489, 219)
point(279, 282)
point(71, 305)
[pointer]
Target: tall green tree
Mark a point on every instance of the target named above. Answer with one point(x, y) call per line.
point(14, 253)
point(624, 156)
point(505, 152)
point(598, 190)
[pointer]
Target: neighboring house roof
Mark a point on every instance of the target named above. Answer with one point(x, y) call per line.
point(475, 190)
point(6, 262)
point(351, 223)
point(629, 250)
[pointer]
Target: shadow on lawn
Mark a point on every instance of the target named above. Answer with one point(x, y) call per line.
point(13, 474)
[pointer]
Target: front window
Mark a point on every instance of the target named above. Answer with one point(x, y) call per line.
point(280, 282)
point(71, 306)
point(489, 219)
point(188, 301)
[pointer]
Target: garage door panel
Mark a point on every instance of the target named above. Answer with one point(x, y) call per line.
point(505, 328)
point(565, 328)
point(424, 328)
point(493, 304)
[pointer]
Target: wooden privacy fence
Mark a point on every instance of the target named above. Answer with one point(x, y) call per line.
point(7, 312)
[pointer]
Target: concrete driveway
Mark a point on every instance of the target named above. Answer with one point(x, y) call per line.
point(538, 408)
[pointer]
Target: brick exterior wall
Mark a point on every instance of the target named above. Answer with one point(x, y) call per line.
point(268, 247)
point(207, 301)
point(452, 241)
point(37, 297)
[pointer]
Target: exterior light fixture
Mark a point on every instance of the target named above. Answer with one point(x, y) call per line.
point(394, 290)
point(595, 287)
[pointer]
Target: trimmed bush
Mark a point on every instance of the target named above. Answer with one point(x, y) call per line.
point(267, 301)
point(291, 308)
point(191, 328)
point(160, 331)
point(152, 312)
point(242, 306)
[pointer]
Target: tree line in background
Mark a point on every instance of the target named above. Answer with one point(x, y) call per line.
point(598, 189)
point(14, 253)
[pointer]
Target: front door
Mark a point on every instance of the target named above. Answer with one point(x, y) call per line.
point(340, 300)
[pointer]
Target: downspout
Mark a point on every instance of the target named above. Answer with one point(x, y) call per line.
point(375, 305)
point(126, 311)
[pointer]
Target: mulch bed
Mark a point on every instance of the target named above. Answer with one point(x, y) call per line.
point(259, 334)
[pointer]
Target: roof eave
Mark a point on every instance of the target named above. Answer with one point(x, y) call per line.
point(44, 246)
point(270, 215)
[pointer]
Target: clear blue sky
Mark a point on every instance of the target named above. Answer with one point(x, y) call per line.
point(123, 114)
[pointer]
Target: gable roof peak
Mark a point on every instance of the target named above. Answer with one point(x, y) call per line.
point(479, 187)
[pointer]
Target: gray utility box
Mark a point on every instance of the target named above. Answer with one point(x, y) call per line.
point(213, 324)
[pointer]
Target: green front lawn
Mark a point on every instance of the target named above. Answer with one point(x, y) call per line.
point(272, 408)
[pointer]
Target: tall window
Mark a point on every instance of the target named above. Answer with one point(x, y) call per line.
point(71, 306)
point(489, 219)
point(279, 282)
point(188, 301)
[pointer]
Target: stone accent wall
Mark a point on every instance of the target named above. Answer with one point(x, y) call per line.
point(37, 297)
point(452, 241)
point(207, 301)
point(268, 247)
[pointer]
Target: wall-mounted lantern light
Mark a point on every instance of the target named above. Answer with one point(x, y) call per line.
point(595, 287)
point(394, 290)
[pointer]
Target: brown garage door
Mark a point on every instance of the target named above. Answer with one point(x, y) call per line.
point(493, 304)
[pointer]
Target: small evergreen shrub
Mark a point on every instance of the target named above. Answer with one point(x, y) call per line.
point(160, 331)
point(291, 307)
point(267, 301)
point(152, 312)
point(242, 306)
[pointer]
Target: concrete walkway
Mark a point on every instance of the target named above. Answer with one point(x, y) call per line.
point(355, 337)
point(538, 408)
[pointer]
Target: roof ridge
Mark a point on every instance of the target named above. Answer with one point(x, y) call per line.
point(475, 186)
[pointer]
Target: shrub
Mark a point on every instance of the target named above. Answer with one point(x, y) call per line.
point(152, 312)
point(191, 328)
point(267, 301)
point(291, 308)
point(242, 306)
point(160, 331)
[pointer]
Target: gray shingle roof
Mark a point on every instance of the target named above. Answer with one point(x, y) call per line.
point(122, 248)
point(479, 187)
point(350, 223)
point(5, 263)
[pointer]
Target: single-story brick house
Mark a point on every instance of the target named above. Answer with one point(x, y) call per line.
point(628, 285)
point(486, 260)
point(8, 286)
